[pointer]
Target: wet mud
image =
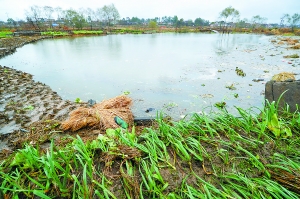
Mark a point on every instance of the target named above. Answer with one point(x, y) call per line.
point(10, 44)
point(31, 112)
point(25, 105)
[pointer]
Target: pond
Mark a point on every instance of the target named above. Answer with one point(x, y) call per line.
point(175, 73)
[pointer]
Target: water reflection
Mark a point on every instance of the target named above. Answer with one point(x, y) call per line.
point(226, 43)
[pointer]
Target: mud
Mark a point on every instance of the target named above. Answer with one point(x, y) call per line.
point(24, 104)
point(30, 112)
point(10, 44)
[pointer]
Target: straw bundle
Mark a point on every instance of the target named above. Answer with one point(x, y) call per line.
point(290, 181)
point(101, 115)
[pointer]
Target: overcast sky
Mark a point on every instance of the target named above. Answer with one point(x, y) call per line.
point(273, 10)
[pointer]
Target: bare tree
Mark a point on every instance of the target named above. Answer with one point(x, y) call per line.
point(74, 18)
point(110, 14)
point(293, 20)
point(283, 19)
point(34, 16)
point(229, 14)
point(90, 16)
point(257, 21)
point(48, 11)
point(98, 16)
point(59, 12)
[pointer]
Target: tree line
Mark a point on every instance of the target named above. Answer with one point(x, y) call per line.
point(108, 15)
point(39, 16)
point(231, 15)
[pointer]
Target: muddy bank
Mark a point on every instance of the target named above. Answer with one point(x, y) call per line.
point(24, 101)
point(10, 44)
point(29, 110)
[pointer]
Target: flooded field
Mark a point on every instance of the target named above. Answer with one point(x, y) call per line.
point(176, 73)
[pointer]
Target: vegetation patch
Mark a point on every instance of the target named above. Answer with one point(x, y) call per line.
point(216, 156)
point(55, 33)
point(4, 34)
point(289, 34)
point(87, 32)
point(292, 56)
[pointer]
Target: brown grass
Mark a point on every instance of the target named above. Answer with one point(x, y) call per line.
point(281, 77)
point(286, 179)
point(296, 46)
point(101, 115)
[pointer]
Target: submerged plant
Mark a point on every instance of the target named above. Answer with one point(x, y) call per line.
point(292, 56)
point(240, 72)
point(220, 105)
point(231, 87)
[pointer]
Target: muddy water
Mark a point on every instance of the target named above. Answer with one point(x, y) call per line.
point(176, 73)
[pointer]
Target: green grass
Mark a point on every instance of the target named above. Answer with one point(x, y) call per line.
point(87, 32)
point(76, 32)
point(215, 156)
point(55, 33)
point(126, 30)
point(289, 34)
point(4, 33)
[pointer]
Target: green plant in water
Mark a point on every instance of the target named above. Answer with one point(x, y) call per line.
point(240, 72)
point(28, 108)
point(220, 105)
point(11, 103)
point(170, 105)
point(231, 87)
point(292, 56)
point(126, 92)
point(77, 100)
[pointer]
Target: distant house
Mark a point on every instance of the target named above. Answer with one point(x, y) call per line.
point(273, 25)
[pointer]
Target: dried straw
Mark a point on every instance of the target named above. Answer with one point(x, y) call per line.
point(281, 77)
point(101, 115)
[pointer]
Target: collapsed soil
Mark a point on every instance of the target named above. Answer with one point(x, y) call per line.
point(25, 104)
